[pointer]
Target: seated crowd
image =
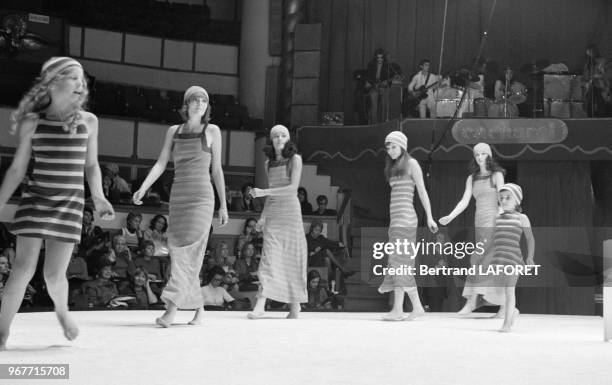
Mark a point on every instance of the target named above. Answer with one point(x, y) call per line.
point(128, 268)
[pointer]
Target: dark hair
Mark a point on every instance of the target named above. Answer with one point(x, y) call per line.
point(154, 221)
point(215, 270)
point(397, 167)
point(288, 151)
point(131, 215)
point(88, 209)
point(140, 270)
point(422, 62)
point(315, 223)
point(244, 187)
point(146, 243)
point(246, 224)
point(312, 274)
point(382, 52)
point(245, 246)
point(490, 164)
point(322, 198)
point(303, 190)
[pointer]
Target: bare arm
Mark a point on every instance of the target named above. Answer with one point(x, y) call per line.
point(417, 175)
point(18, 168)
point(530, 241)
point(291, 188)
point(461, 205)
point(498, 179)
point(159, 167)
point(92, 168)
point(217, 171)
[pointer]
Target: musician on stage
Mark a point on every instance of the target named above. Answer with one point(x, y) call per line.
point(508, 94)
point(597, 96)
point(422, 87)
point(380, 73)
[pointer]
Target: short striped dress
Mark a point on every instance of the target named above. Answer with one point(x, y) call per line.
point(282, 270)
point(403, 225)
point(52, 199)
point(507, 239)
point(191, 212)
point(485, 194)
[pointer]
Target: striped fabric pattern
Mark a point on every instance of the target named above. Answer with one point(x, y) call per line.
point(282, 270)
point(484, 223)
point(191, 211)
point(52, 201)
point(507, 240)
point(403, 225)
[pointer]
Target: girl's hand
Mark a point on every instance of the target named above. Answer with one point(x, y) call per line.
point(433, 227)
point(529, 261)
point(260, 224)
point(258, 192)
point(106, 210)
point(137, 197)
point(223, 217)
point(445, 220)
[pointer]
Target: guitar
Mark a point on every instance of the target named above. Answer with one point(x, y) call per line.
point(421, 92)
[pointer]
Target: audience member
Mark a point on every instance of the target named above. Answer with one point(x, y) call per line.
point(214, 295)
point(246, 201)
point(140, 289)
point(156, 233)
point(304, 204)
point(101, 291)
point(148, 261)
point(121, 258)
point(325, 252)
point(322, 207)
point(250, 235)
point(132, 232)
point(246, 268)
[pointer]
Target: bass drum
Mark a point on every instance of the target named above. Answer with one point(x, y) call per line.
point(518, 93)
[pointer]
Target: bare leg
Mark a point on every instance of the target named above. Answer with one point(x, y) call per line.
point(294, 310)
point(417, 307)
point(168, 317)
point(511, 310)
point(470, 305)
point(26, 257)
point(57, 257)
point(259, 310)
point(397, 311)
point(197, 318)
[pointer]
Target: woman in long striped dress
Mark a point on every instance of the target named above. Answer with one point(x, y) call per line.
point(282, 270)
point(63, 139)
point(403, 173)
point(510, 225)
point(486, 176)
point(196, 148)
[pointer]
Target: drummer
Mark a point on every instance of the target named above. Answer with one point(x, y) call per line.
point(508, 94)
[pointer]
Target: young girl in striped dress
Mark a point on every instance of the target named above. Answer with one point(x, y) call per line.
point(196, 148)
point(403, 173)
point(282, 270)
point(63, 140)
point(510, 225)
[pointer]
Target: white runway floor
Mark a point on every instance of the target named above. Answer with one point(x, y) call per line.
point(124, 347)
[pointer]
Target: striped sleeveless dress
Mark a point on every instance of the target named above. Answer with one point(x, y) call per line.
point(507, 239)
point(282, 270)
point(52, 200)
point(403, 225)
point(487, 208)
point(191, 212)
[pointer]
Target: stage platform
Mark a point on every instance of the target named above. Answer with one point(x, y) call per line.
point(125, 347)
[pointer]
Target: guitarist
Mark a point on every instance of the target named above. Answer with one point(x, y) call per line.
point(378, 79)
point(422, 87)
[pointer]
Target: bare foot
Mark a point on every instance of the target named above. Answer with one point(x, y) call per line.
point(166, 319)
point(254, 315)
point(71, 330)
point(293, 315)
point(507, 326)
point(197, 318)
point(414, 315)
point(505, 329)
point(467, 309)
point(514, 316)
point(394, 316)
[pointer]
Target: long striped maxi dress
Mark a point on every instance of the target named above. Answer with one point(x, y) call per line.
point(191, 211)
point(282, 270)
point(403, 225)
point(52, 200)
point(485, 195)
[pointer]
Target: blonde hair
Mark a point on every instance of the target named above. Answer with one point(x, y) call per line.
point(37, 99)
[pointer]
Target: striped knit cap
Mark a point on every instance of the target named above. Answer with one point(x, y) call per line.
point(279, 128)
point(515, 190)
point(398, 138)
point(193, 90)
point(56, 65)
point(483, 147)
